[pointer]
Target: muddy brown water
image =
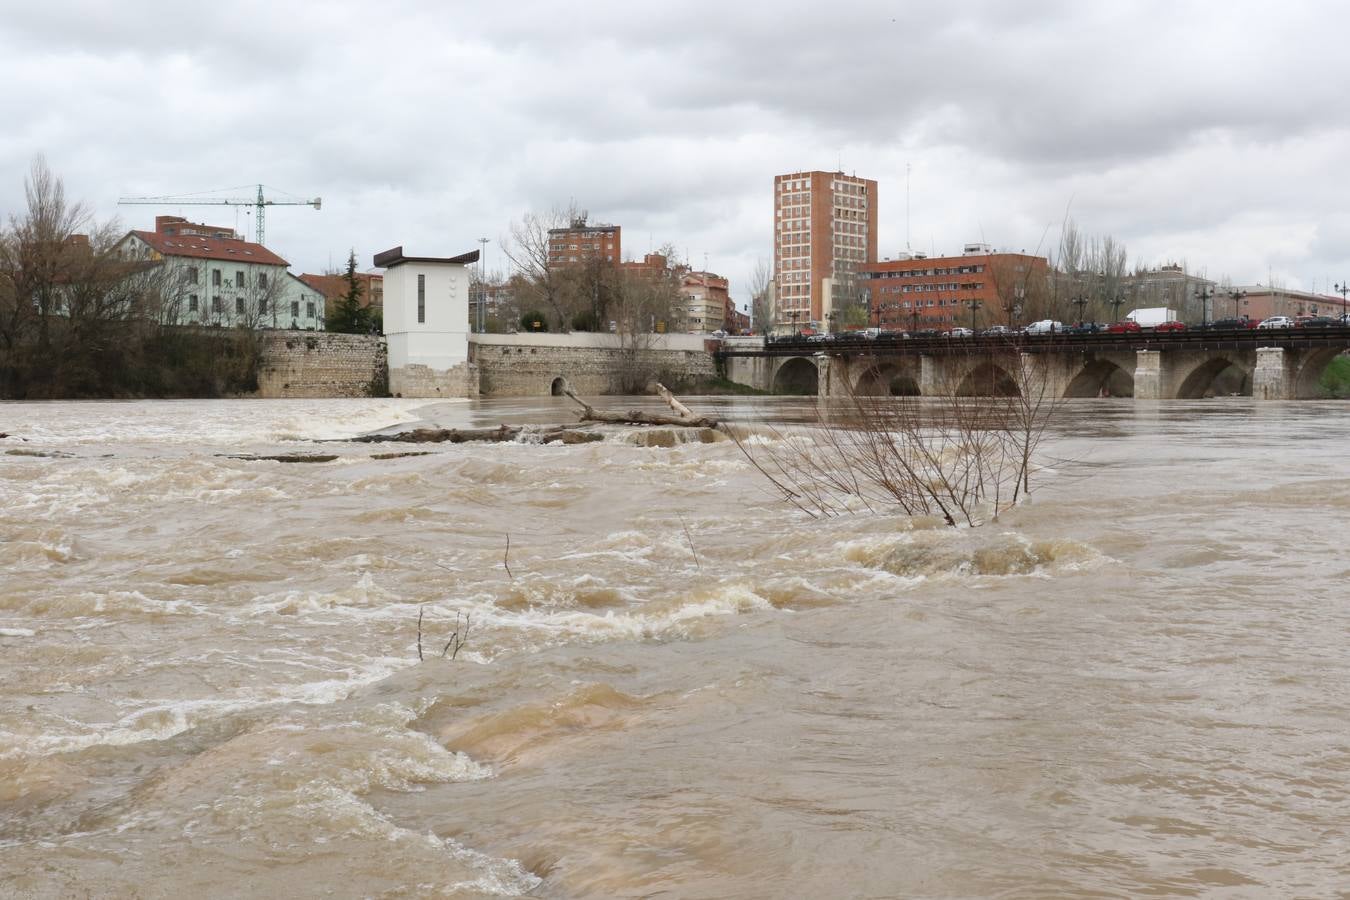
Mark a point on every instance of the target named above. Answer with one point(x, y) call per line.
point(1138, 684)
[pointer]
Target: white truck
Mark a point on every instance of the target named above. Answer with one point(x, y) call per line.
point(1152, 317)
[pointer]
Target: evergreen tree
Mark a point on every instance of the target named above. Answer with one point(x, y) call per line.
point(350, 316)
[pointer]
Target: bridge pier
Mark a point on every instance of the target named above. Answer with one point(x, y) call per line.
point(1147, 375)
point(1274, 375)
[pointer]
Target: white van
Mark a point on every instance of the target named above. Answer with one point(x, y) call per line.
point(1044, 326)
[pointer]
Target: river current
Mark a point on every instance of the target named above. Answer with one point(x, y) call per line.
point(672, 683)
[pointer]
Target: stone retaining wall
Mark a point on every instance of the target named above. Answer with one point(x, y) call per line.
point(530, 365)
point(321, 364)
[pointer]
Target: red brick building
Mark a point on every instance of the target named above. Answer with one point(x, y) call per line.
point(917, 292)
point(580, 242)
point(824, 232)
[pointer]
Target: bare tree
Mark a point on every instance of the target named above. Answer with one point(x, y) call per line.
point(965, 454)
point(761, 300)
point(544, 279)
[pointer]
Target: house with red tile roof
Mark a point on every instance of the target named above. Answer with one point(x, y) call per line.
point(214, 277)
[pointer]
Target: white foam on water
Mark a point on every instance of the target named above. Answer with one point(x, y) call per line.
point(17, 632)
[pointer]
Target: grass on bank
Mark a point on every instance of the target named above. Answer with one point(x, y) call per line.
point(1335, 380)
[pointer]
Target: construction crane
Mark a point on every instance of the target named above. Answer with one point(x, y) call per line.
point(260, 203)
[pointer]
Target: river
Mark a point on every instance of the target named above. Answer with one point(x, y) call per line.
point(672, 684)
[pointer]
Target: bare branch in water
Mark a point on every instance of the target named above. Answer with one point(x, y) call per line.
point(690, 539)
point(506, 558)
point(420, 611)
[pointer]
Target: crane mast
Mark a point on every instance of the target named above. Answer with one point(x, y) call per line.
point(259, 204)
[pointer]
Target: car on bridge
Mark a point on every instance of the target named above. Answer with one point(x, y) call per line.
point(959, 332)
point(996, 331)
point(1085, 328)
point(1233, 324)
point(1125, 326)
point(1317, 322)
point(1044, 326)
point(1275, 322)
point(1174, 325)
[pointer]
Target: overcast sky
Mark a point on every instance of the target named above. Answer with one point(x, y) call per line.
point(1217, 134)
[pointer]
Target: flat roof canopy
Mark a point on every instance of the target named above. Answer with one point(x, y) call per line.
point(390, 258)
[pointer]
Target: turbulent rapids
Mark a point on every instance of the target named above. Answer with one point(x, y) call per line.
point(1135, 683)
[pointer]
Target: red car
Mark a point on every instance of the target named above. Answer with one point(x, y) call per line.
point(1170, 326)
point(1126, 327)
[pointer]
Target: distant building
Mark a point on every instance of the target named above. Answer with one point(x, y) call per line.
point(1261, 302)
point(825, 230)
point(917, 292)
point(1172, 287)
point(214, 277)
point(334, 288)
point(705, 302)
point(651, 264)
point(579, 242)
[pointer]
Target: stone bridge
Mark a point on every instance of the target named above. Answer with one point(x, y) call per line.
point(1268, 365)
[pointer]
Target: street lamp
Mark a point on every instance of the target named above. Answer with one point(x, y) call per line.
point(974, 305)
point(1014, 309)
point(1116, 303)
point(1343, 289)
point(1081, 302)
point(1236, 297)
point(1203, 294)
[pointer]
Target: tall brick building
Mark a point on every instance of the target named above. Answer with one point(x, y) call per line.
point(824, 231)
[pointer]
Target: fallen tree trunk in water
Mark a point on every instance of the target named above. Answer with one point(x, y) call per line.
point(683, 416)
point(548, 434)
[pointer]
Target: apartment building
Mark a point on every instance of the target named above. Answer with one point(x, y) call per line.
point(915, 292)
point(579, 242)
point(825, 231)
point(706, 302)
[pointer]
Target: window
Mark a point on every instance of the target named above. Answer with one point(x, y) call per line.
point(309, 308)
point(421, 299)
point(262, 280)
point(295, 309)
point(239, 278)
point(192, 300)
point(239, 306)
point(215, 303)
point(215, 277)
point(262, 306)
point(192, 276)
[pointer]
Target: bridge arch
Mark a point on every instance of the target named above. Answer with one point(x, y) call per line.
point(1101, 378)
point(1308, 376)
point(988, 379)
point(556, 387)
point(797, 375)
point(886, 380)
point(1218, 376)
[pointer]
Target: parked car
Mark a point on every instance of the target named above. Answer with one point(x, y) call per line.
point(959, 332)
point(1231, 324)
point(1317, 322)
point(1174, 325)
point(1044, 326)
point(1126, 326)
point(1275, 322)
point(718, 334)
point(1085, 328)
point(996, 331)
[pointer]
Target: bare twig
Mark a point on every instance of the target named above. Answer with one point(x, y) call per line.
point(457, 640)
point(690, 539)
point(506, 561)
